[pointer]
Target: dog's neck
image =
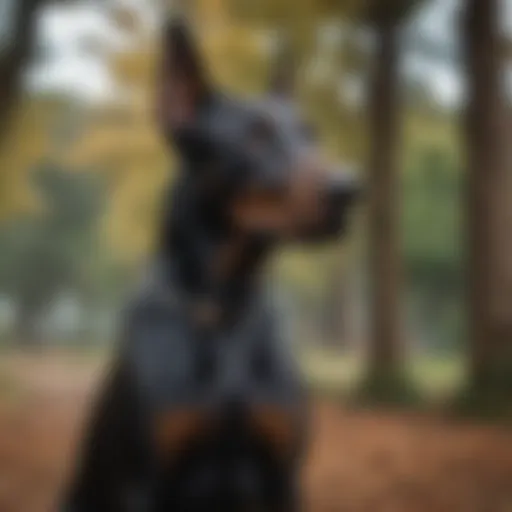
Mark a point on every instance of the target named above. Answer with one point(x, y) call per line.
point(210, 260)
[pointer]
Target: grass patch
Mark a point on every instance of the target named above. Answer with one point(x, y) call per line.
point(333, 372)
point(391, 387)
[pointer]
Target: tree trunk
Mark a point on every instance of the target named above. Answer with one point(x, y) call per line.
point(489, 204)
point(385, 335)
point(15, 55)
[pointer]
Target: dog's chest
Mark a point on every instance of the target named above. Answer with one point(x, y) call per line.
point(200, 389)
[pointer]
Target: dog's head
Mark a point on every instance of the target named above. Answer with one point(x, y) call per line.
point(255, 163)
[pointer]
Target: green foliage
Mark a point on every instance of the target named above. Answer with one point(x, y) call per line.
point(45, 253)
point(432, 231)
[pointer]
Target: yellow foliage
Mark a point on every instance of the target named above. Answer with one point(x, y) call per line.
point(26, 143)
point(236, 57)
point(113, 145)
point(136, 163)
point(135, 68)
point(122, 140)
point(132, 218)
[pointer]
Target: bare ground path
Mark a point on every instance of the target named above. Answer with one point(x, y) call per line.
point(359, 461)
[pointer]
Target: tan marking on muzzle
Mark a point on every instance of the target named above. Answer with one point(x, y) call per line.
point(258, 210)
point(296, 207)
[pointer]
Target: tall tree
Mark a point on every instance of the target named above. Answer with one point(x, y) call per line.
point(385, 378)
point(489, 207)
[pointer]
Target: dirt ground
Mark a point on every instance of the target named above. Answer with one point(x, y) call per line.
point(359, 461)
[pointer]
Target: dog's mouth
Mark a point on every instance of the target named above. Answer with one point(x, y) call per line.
point(313, 208)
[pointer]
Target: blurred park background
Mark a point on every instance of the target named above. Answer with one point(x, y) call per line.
point(413, 309)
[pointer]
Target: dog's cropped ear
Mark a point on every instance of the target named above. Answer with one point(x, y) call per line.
point(182, 82)
point(283, 70)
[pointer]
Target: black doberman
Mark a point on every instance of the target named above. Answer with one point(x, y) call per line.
point(204, 409)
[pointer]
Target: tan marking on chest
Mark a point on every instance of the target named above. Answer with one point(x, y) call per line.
point(175, 429)
point(276, 426)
